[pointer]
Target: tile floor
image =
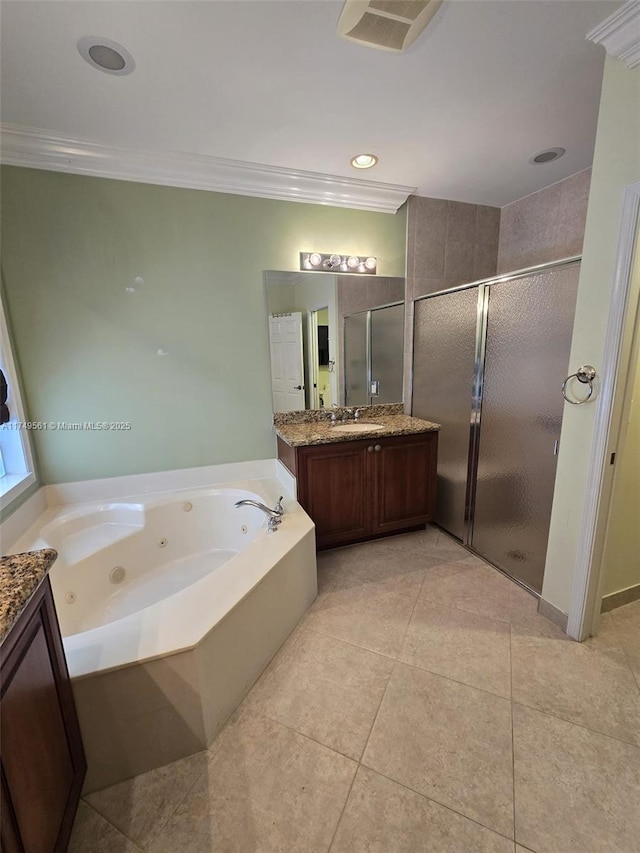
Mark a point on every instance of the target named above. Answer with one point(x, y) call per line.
point(422, 704)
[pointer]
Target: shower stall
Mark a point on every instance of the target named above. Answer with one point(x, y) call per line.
point(489, 362)
point(373, 356)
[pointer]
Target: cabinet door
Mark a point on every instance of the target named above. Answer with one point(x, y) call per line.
point(42, 758)
point(333, 489)
point(405, 481)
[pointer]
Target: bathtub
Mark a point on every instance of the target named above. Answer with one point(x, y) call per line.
point(171, 604)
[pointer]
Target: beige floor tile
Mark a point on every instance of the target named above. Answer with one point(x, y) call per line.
point(392, 571)
point(425, 539)
point(460, 645)
point(326, 689)
point(93, 834)
point(451, 547)
point(373, 619)
point(586, 683)
point(577, 791)
point(141, 806)
point(267, 789)
point(447, 741)
point(524, 614)
point(634, 663)
point(474, 587)
point(332, 565)
point(383, 817)
point(623, 626)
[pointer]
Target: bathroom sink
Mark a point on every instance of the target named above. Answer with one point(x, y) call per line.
point(357, 427)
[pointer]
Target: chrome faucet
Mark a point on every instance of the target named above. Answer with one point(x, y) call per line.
point(346, 414)
point(274, 515)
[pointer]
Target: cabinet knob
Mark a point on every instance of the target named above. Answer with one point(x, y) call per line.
point(378, 448)
point(370, 448)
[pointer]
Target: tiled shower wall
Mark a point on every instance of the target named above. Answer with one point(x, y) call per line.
point(451, 243)
point(544, 226)
point(448, 243)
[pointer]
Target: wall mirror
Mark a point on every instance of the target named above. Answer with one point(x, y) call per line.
point(334, 339)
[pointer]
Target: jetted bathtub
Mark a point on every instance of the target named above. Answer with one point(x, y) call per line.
point(171, 605)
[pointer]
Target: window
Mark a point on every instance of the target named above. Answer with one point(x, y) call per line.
point(16, 461)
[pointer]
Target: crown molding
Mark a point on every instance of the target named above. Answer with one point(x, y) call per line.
point(38, 149)
point(619, 34)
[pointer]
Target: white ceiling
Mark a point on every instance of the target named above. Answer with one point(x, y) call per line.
point(489, 84)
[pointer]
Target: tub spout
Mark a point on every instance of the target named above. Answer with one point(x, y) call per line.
point(274, 515)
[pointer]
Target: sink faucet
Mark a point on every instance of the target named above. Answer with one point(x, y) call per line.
point(274, 515)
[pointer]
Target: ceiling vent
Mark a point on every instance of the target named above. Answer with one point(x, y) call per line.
point(386, 24)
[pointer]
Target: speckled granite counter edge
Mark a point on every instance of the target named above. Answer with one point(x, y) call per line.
point(307, 434)
point(20, 576)
point(314, 416)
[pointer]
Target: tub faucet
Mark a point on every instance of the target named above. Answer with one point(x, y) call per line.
point(274, 515)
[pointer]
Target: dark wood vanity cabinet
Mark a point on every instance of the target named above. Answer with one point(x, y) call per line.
point(355, 490)
point(41, 755)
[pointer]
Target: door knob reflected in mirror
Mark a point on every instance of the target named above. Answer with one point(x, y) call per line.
point(378, 448)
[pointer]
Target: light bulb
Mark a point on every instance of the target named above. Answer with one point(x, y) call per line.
point(335, 260)
point(315, 259)
point(370, 263)
point(352, 262)
point(364, 161)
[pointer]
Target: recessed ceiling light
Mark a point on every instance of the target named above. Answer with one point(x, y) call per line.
point(364, 161)
point(547, 156)
point(106, 55)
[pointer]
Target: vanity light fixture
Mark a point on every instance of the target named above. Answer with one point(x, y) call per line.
point(363, 161)
point(314, 261)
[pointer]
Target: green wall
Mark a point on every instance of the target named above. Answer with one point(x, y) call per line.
point(88, 349)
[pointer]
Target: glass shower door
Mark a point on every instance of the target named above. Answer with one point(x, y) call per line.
point(443, 387)
point(528, 340)
point(387, 353)
point(356, 360)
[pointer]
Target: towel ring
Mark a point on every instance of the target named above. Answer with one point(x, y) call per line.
point(585, 374)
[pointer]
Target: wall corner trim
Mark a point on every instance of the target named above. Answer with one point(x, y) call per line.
point(619, 34)
point(40, 149)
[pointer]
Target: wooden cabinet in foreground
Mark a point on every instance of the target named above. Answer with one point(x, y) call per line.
point(42, 761)
point(356, 490)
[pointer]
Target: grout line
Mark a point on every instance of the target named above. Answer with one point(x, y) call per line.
point(513, 738)
point(396, 661)
point(579, 725)
point(344, 806)
point(259, 713)
point(112, 825)
point(454, 680)
point(352, 644)
point(437, 802)
point(198, 777)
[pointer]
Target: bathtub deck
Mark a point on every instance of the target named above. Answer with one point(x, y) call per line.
point(385, 723)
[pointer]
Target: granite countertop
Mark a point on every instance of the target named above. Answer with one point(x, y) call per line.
point(20, 576)
point(316, 431)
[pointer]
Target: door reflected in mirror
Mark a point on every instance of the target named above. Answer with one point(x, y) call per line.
point(334, 339)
